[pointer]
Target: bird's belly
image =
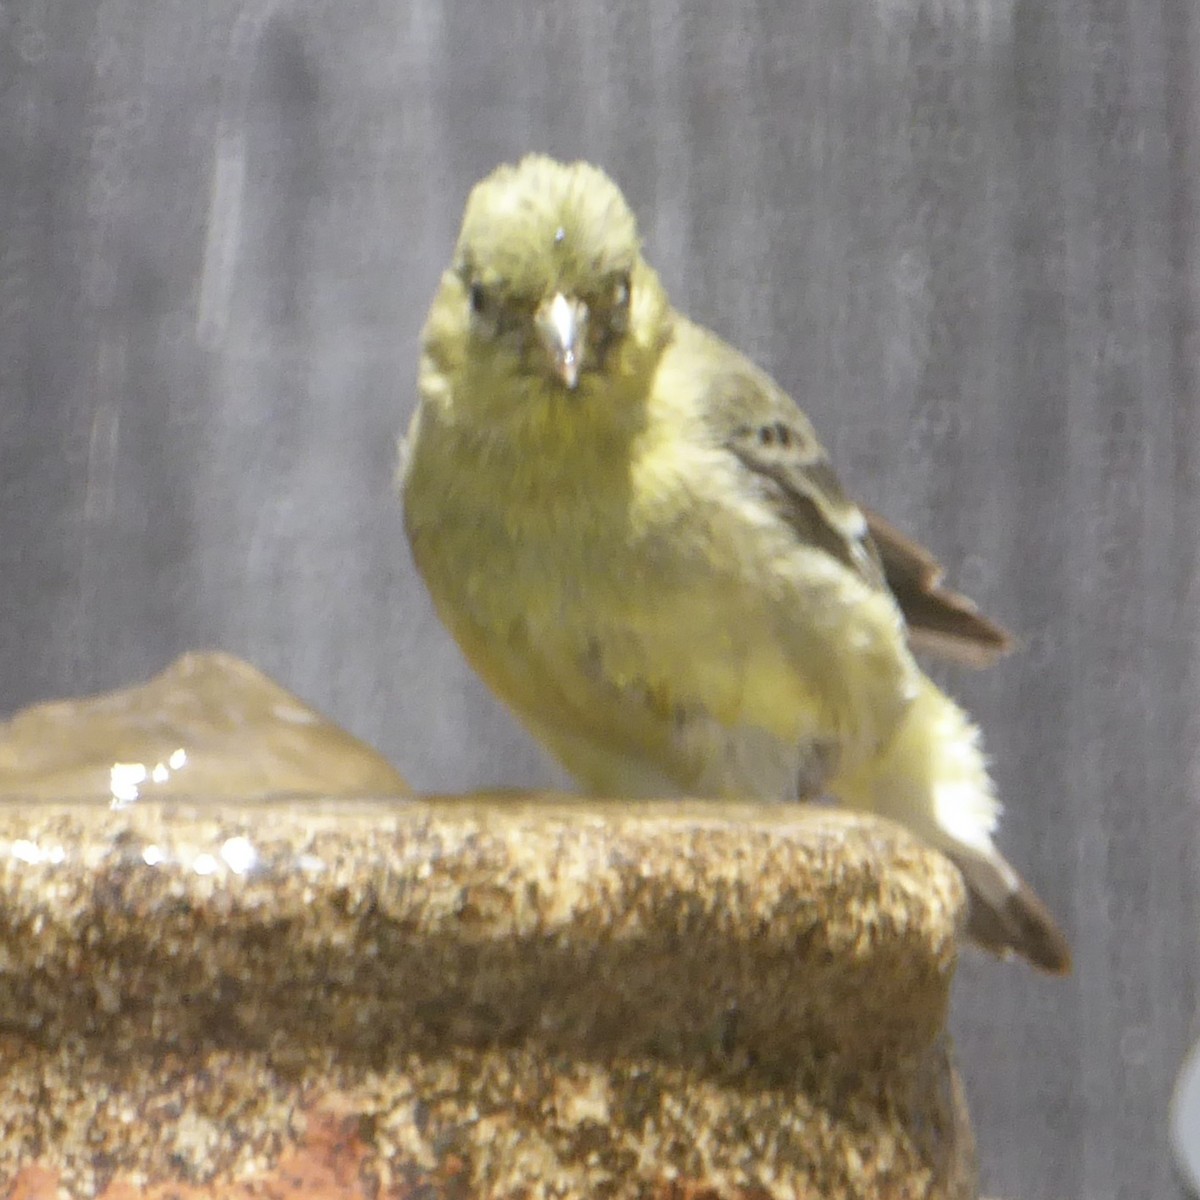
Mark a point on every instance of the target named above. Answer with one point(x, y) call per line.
point(641, 681)
point(646, 662)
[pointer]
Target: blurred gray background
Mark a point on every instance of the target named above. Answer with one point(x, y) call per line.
point(962, 232)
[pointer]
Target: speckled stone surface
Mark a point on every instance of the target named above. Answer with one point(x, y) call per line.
point(205, 995)
point(491, 997)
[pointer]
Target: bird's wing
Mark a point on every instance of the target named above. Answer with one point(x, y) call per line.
point(939, 620)
point(774, 440)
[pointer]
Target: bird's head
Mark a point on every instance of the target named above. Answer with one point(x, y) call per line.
point(548, 282)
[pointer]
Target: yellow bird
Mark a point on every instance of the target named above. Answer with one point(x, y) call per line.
point(637, 540)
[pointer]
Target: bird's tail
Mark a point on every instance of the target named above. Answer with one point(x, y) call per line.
point(932, 777)
point(1006, 916)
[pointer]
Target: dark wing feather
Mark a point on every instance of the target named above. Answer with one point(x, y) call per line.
point(807, 494)
point(758, 422)
point(939, 620)
point(774, 440)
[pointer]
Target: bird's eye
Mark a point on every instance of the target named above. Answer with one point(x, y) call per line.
point(616, 306)
point(492, 312)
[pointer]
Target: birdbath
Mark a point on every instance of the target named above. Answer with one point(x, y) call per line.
point(486, 996)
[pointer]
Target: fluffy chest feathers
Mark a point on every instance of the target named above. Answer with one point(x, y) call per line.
point(582, 565)
point(562, 512)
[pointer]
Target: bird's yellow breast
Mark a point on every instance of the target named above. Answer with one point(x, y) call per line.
point(593, 571)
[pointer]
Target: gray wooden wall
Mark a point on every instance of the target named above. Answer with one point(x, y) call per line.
point(963, 232)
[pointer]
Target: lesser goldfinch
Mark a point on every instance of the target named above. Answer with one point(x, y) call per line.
point(637, 540)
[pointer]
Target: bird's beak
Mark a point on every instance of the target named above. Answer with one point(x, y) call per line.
point(562, 325)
